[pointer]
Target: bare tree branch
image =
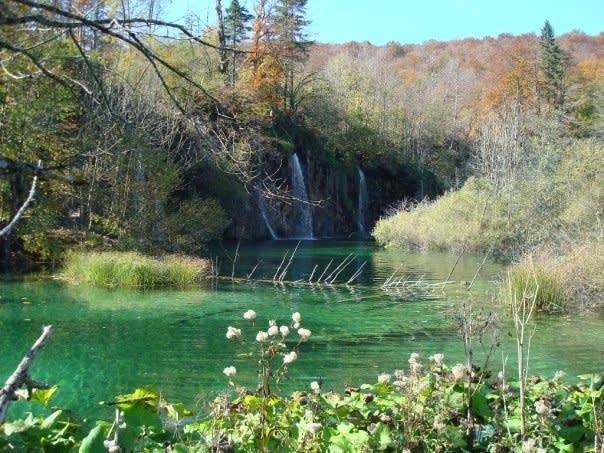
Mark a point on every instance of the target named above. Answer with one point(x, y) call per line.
point(21, 374)
point(8, 166)
point(8, 228)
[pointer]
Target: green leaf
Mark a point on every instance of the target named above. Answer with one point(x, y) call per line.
point(93, 442)
point(383, 436)
point(572, 434)
point(148, 396)
point(480, 403)
point(42, 396)
point(19, 426)
point(50, 420)
point(513, 424)
point(177, 410)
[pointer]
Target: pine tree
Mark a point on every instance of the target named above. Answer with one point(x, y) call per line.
point(236, 28)
point(553, 62)
point(289, 25)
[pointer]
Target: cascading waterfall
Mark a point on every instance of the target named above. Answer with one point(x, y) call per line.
point(262, 207)
point(362, 204)
point(303, 213)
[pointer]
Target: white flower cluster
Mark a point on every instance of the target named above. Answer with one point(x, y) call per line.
point(230, 371)
point(296, 318)
point(459, 371)
point(273, 331)
point(414, 364)
point(315, 387)
point(437, 359)
point(250, 315)
point(290, 357)
point(232, 332)
point(304, 333)
point(542, 407)
point(384, 378)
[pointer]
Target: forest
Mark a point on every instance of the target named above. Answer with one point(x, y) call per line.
point(126, 134)
point(150, 130)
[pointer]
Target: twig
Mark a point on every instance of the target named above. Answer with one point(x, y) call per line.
point(337, 268)
point(249, 276)
point(312, 273)
point(280, 265)
point(289, 262)
point(455, 265)
point(235, 258)
point(342, 267)
point(357, 273)
point(324, 270)
point(479, 268)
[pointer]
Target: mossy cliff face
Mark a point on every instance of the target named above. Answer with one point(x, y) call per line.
point(333, 188)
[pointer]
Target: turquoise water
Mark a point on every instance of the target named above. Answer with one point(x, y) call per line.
point(109, 341)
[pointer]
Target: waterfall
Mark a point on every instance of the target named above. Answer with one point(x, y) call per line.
point(262, 207)
point(362, 204)
point(303, 213)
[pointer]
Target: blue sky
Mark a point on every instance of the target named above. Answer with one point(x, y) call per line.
point(416, 21)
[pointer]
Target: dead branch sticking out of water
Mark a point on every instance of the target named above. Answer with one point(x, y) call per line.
point(21, 375)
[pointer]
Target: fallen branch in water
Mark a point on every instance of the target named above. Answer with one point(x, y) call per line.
point(21, 375)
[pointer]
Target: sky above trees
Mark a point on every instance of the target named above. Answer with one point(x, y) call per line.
point(381, 21)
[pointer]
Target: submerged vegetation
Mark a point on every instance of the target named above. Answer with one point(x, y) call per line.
point(132, 269)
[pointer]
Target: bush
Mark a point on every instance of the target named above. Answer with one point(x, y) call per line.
point(196, 222)
point(456, 220)
point(132, 269)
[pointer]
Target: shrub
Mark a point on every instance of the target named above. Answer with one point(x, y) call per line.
point(196, 222)
point(456, 220)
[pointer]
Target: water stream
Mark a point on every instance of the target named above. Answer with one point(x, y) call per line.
point(303, 218)
point(362, 204)
point(109, 341)
point(264, 214)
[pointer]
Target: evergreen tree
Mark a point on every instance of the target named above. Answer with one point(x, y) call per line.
point(553, 62)
point(289, 25)
point(236, 28)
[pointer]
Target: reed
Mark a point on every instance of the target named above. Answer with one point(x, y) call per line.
point(132, 269)
point(534, 281)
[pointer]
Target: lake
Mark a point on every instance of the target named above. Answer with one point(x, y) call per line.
point(109, 341)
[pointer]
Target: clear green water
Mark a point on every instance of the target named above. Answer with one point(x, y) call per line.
point(107, 342)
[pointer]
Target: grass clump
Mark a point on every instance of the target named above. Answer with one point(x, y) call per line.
point(570, 279)
point(131, 269)
point(534, 281)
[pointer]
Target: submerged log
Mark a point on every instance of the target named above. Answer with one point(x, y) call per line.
point(21, 375)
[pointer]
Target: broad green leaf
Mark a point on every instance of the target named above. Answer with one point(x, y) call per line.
point(93, 442)
point(19, 426)
point(50, 420)
point(480, 403)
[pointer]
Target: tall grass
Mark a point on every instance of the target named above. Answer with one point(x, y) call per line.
point(572, 279)
point(132, 269)
point(528, 280)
